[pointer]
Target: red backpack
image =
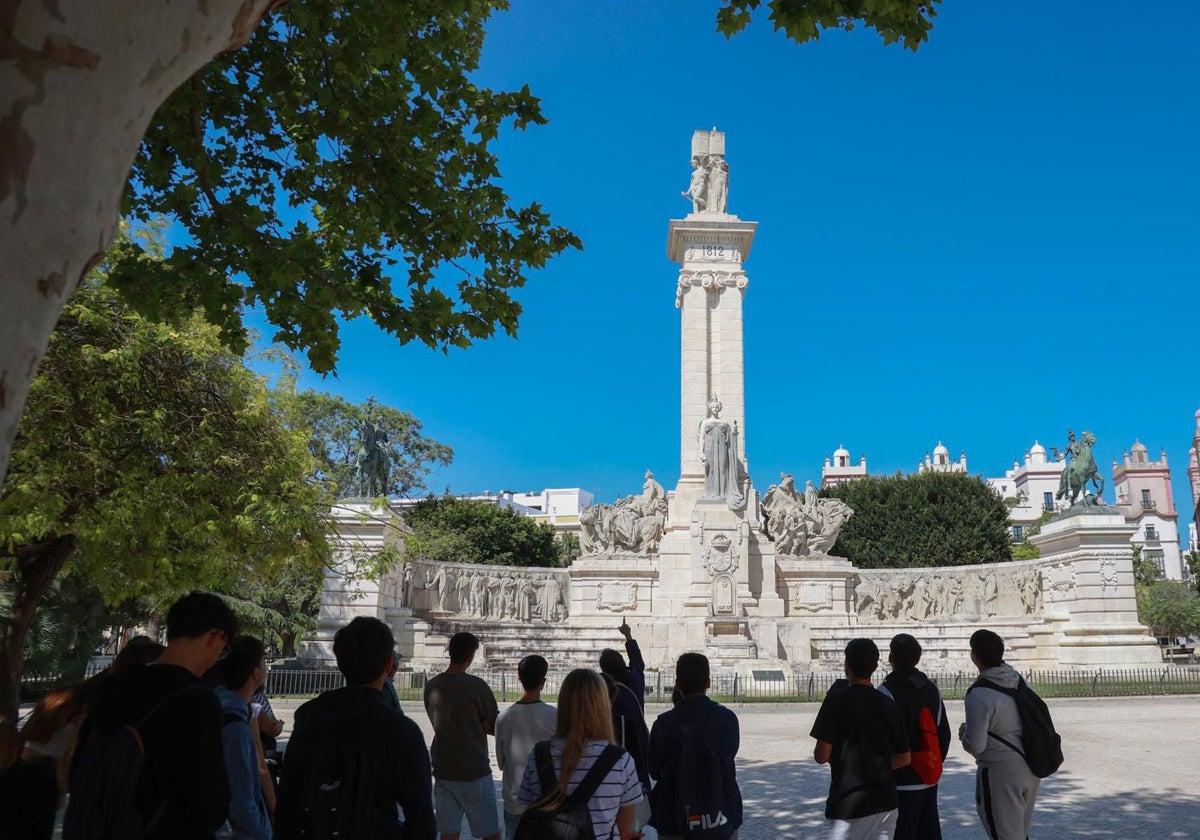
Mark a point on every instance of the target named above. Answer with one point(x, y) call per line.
point(927, 759)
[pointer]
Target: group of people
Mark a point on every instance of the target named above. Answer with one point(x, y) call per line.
point(886, 746)
point(170, 744)
point(592, 754)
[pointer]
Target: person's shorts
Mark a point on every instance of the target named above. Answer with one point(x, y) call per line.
point(476, 799)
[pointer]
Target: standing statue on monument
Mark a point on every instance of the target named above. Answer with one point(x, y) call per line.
point(697, 191)
point(719, 454)
point(718, 184)
point(371, 464)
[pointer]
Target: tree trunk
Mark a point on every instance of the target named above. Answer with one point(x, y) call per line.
point(79, 82)
point(36, 568)
point(288, 646)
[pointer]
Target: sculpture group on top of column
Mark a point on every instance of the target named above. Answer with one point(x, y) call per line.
point(496, 594)
point(801, 526)
point(634, 524)
point(947, 595)
point(708, 189)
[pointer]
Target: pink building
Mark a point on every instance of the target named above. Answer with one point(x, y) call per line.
point(1143, 489)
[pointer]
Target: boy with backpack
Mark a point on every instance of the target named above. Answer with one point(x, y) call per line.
point(1009, 732)
point(148, 760)
point(924, 715)
point(351, 759)
point(242, 671)
point(691, 756)
point(861, 736)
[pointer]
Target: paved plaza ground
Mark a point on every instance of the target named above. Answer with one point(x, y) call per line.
point(1132, 771)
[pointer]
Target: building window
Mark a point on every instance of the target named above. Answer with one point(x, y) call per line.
point(1018, 532)
point(1156, 557)
point(1151, 532)
point(842, 459)
point(1147, 502)
point(1047, 501)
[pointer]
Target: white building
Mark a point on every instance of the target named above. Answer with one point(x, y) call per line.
point(839, 470)
point(1030, 488)
point(940, 461)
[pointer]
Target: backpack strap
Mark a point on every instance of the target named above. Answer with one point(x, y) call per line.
point(231, 717)
point(1011, 692)
point(545, 768)
point(595, 776)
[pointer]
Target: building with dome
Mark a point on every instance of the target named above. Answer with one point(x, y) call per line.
point(839, 470)
point(940, 461)
point(1143, 490)
point(1194, 482)
point(1029, 488)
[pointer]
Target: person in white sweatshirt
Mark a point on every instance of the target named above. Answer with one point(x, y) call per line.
point(1005, 787)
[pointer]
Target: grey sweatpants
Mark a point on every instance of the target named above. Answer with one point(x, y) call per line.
point(1004, 796)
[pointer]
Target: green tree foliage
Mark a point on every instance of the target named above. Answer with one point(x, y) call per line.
point(907, 22)
point(333, 425)
point(338, 165)
point(1169, 608)
point(1025, 550)
point(1192, 558)
point(150, 461)
point(471, 531)
point(926, 519)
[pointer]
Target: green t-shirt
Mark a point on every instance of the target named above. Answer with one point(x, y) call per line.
point(459, 706)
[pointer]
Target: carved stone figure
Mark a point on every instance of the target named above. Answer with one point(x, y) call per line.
point(719, 454)
point(437, 582)
point(697, 191)
point(634, 524)
point(801, 525)
point(718, 184)
point(552, 606)
point(406, 585)
point(1030, 590)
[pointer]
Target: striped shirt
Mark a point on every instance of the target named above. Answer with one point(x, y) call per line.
point(620, 787)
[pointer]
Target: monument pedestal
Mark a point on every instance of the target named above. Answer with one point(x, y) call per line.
point(1087, 569)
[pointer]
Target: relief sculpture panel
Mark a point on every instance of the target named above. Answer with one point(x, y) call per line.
point(946, 595)
point(492, 593)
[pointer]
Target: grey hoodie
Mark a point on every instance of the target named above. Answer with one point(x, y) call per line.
point(991, 711)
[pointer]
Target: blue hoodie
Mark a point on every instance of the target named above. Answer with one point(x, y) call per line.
point(248, 817)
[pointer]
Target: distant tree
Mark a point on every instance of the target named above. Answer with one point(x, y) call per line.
point(924, 519)
point(1193, 564)
point(151, 462)
point(1145, 572)
point(332, 425)
point(906, 22)
point(1169, 608)
point(473, 531)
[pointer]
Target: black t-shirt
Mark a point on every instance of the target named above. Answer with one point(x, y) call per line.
point(865, 729)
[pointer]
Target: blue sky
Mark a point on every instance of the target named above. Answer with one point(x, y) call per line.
point(982, 243)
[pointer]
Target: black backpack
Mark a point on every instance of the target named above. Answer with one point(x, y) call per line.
point(691, 798)
point(104, 784)
point(329, 796)
point(1043, 746)
point(571, 820)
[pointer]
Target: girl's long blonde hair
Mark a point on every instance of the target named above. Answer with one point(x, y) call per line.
point(584, 714)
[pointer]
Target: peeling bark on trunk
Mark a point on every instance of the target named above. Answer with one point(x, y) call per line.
point(36, 568)
point(79, 82)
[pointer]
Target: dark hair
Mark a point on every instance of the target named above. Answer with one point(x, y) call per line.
point(531, 671)
point(988, 648)
point(906, 652)
point(363, 649)
point(138, 652)
point(611, 685)
point(245, 654)
point(691, 673)
point(613, 664)
point(198, 613)
point(462, 647)
point(862, 658)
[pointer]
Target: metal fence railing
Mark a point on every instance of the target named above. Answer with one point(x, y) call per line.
point(763, 686)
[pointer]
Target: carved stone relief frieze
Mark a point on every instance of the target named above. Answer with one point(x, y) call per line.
point(1108, 574)
point(947, 595)
point(494, 594)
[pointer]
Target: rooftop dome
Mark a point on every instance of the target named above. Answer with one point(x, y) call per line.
point(1037, 453)
point(940, 449)
point(841, 452)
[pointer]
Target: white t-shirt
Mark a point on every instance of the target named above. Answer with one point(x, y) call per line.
point(620, 787)
point(518, 729)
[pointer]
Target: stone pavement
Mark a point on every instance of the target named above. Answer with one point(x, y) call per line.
point(1131, 772)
